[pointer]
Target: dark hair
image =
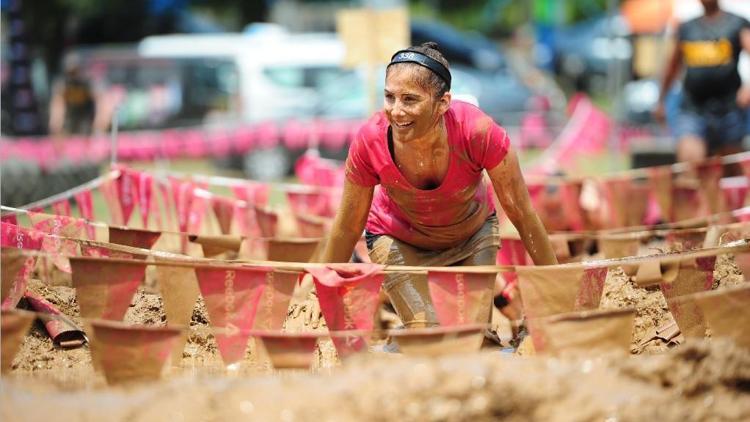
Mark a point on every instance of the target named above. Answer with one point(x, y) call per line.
point(430, 80)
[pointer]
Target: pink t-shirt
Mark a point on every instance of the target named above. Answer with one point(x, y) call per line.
point(437, 218)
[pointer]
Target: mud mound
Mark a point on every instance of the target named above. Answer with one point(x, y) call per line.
point(697, 381)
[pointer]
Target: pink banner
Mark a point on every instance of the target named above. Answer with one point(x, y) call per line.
point(314, 203)
point(348, 295)
point(62, 208)
point(22, 238)
point(734, 193)
point(512, 252)
point(224, 209)
point(85, 203)
point(267, 221)
point(461, 298)
point(254, 193)
point(231, 297)
point(61, 329)
point(9, 219)
point(274, 302)
point(591, 289)
point(144, 193)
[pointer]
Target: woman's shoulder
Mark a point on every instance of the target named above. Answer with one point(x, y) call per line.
point(470, 118)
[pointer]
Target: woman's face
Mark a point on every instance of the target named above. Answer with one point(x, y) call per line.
point(411, 108)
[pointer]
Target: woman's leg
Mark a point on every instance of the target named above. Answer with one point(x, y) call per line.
point(408, 293)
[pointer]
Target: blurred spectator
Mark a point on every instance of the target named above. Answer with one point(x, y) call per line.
point(711, 120)
point(76, 105)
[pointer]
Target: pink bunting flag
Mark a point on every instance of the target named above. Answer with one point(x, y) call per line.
point(289, 350)
point(9, 219)
point(144, 193)
point(224, 208)
point(348, 295)
point(58, 225)
point(734, 191)
point(461, 298)
point(314, 202)
point(231, 296)
point(85, 203)
point(19, 237)
point(571, 203)
point(126, 191)
point(132, 353)
point(254, 193)
point(512, 252)
point(136, 238)
point(108, 190)
point(62, 208)
point(105, 289)
point(268, 221)
point(274, 302)
point(182, 195)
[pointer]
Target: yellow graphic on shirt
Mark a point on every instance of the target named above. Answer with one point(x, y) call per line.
point(707, 53)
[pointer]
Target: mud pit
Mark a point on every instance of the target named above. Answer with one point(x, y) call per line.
point(691, 381)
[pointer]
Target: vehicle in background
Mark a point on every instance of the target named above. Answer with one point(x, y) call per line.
point(583, 53)
point(152, 93)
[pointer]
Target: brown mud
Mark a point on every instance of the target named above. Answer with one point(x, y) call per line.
point(658, 380)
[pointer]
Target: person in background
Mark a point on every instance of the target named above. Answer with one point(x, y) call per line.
point(414, 183)
point(75, 106)
point(712, 119)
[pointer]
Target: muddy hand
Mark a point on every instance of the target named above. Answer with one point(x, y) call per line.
point(313, 315)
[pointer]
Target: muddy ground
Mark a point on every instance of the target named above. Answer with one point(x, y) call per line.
point(658, 380)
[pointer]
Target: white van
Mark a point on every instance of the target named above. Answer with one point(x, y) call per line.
point(280, 75)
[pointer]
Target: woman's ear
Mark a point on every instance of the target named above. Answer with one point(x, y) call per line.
point(444, 102)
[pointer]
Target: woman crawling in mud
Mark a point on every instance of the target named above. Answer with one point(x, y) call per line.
point(433, 206)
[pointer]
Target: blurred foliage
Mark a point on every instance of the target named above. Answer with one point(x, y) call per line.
point(502, 17)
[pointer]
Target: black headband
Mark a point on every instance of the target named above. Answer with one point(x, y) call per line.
point(409, 56)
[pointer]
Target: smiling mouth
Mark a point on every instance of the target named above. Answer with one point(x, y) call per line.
point(403, 125)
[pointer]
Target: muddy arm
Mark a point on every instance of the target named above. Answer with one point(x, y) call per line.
point(348, 225)
point(514, 198)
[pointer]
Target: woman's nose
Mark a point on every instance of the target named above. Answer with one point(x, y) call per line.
point(397, 108)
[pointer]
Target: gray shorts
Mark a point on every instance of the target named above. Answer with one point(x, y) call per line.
point(409, 293)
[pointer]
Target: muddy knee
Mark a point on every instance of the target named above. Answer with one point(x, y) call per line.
point(410, 297)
